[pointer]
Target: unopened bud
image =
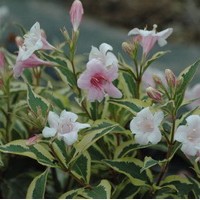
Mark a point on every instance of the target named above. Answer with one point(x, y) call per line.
point(179, 81)
point(157, 79)
point(76, 13)
point(33, 140)
point(154, 94)
point(127, 48)
point(19, 41)
point(170, 78)
point(2, 60)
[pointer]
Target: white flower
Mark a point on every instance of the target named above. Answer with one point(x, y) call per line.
point(145, 126)
point(34, 40)
point(103, 54)
point(64, 126)
point(189, 136)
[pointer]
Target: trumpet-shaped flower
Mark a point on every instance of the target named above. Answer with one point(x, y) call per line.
point(64, 126)
point(189, 136)
point(147, 39)
point(34, 40)
point(30, 62)
point(145, 126)
point(97, 80)
point(103, 54)
point(76, 14)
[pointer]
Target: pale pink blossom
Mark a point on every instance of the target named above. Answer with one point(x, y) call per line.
point(64, 127)
point(147, 39)
point(145, 126)
point(34, 40)
point(97, 80)
point(76, 14)
point(189, 136)
point(30, 62)
point(103, 54)
point(193, 93)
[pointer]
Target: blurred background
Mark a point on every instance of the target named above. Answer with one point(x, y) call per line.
point(109, 21)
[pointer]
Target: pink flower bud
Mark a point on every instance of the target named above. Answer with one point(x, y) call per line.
point(154, 94)
point(76, 13)
point(2, 60)
point(33, 140)
point(170, 78)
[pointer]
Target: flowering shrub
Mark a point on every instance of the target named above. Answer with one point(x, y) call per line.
point(108, 128)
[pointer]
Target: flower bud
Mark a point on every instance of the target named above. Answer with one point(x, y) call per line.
point(154, 94)
point(170, 78)
point(76, 13)
point(2, 60)
point(157, 79)
point(19, 41)
point(127, 48)
point(33, 140)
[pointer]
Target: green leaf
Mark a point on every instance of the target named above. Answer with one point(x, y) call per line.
point(82, 167)
point(186, 76)
point(37, 103)
point(72, 194)
point(128, 147)
point(63, 69)
point(154, 58)
point(37, 187)
point(99, 129)
point(131, 168)
point(148, 163)
point(36, 152)
point(101, 191)
point(132, 105)
point(182, 184)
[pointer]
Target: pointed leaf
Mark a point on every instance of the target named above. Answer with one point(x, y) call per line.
point(82, 167)
point(36, 102)
point(131, 168)
point(37, 187)
point(101, 191)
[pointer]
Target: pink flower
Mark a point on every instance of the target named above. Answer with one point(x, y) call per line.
point(189, 136)
point(193, 93)
point(97, 80)
point(34, 40)
point(154, 94)
point(76, 13)
point(147, 39)
point(145, 126)
point(32, 61)
point(64, 126)
point(103, 54)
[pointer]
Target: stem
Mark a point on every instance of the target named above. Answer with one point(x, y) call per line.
point(64, 168)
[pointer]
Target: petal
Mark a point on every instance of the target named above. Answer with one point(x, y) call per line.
point(79, 126)
point(94, 53)
point(68, 116)
point(189, 149)
point(49, 132)
point(158, 117)
point(53, 120)
point(70, 138)
point(104, 47)
point(155, 136)
point(181, 134)
point(134, 31)
point(95, 94)
point(165, 33)
point(112, 91)
point(141, 139)
point(111, 59)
